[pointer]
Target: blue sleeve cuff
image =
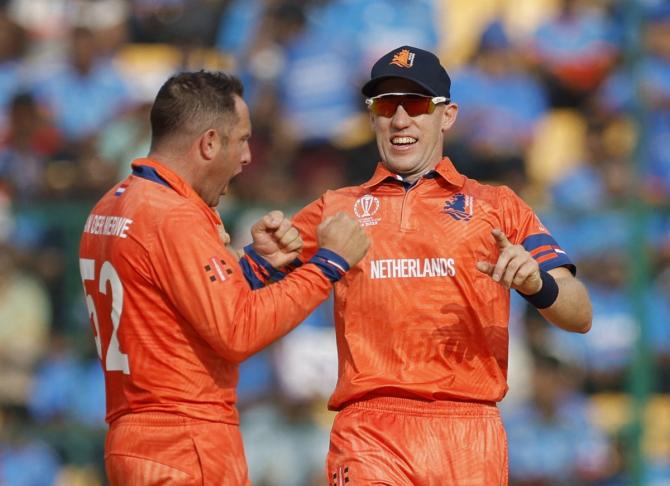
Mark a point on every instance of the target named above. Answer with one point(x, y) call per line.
point(271, 273)
point(330, 263)
point(250, 276)
point(294, 264)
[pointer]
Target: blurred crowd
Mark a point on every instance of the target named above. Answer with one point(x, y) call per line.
point(565, 101)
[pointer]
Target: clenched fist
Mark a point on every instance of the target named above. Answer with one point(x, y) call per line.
point(343, 235)
point(276, 239)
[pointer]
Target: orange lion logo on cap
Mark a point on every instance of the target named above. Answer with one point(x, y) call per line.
point(403, 59)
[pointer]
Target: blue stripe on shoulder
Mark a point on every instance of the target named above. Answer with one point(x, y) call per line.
point(560, 259)
point(535, 241)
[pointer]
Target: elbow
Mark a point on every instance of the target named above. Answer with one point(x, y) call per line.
point(232, 353)
point(584, 328)
point(584, 322)
point(579, 327)
point(578, 314)
point(577, 322)
point(236, 356)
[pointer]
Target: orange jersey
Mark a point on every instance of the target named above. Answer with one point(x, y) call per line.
point(415, 318)
point(171, 310)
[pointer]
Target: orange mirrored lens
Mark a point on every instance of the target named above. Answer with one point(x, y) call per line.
point(413, 105)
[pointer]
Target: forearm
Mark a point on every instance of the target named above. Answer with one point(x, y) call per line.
point(571, 310)
point(269, 313)
point(256, 318)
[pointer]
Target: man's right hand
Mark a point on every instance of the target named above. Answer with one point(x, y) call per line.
point(343, 235)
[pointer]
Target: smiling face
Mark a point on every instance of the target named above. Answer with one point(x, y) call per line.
point(410, 146)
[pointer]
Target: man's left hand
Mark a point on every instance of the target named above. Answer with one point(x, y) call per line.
point(276, 239)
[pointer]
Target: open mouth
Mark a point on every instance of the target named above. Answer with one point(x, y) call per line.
point(403, 141)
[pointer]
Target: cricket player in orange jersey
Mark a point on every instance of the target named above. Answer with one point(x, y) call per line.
point(422, 320)
point(173, 311)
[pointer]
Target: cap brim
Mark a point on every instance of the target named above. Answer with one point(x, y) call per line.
point(368, 88)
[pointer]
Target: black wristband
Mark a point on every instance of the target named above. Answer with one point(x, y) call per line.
point(547, 294)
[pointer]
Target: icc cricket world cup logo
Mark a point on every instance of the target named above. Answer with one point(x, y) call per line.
point(365, 208)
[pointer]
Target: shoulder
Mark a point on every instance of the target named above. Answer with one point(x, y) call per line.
point(347, 192)
point(340, 196)
point(498, 201)
point(493, 194)
point(332, 201)
point(151, 207)
point(178, 215)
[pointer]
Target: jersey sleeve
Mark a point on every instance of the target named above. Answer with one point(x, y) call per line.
point(522, 226)
point(259, 272)
point(207, 287)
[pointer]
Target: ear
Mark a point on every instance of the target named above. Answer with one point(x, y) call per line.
point(209, 144)
point(449, 116)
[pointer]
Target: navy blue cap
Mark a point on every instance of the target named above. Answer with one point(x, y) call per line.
point(414, 64)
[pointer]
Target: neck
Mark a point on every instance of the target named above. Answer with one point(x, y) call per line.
point(411, 178)
point(177, 162)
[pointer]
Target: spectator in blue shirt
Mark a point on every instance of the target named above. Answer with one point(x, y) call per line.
point(551, 439)
point(500, 106)
point(12, 76)
point(86, 92)
point(618, 97)
point(574, 51)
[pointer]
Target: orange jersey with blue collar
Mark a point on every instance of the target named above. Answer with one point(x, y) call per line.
point(415, 318)
point(172, 312)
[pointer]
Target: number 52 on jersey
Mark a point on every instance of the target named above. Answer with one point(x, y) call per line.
point(114, 360)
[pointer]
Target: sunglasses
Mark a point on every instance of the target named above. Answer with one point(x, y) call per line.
point(414, 104)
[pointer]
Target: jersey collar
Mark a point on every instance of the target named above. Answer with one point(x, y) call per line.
point(445, 169)
point(175, 181)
